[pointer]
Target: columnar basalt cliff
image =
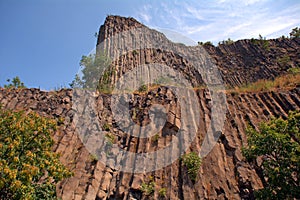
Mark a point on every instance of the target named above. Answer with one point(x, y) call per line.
point(224, 173)
point(240, 62)
point(246, 61)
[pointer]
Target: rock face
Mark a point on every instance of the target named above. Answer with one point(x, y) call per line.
point(239, 63)
point(224, 174)
point(247, 61)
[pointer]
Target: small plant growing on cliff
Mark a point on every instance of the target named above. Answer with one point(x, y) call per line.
point(227, 42)
point(277, 145)
point(148, 188)
point(28, 167)
point(15, 83)
point(162, 192)
point(193, 162)
point(134, 52)
point(106, 127)
point(261, 41)
point(93, 158)
point(110, 138)
point(143, 88)
point(156, 137)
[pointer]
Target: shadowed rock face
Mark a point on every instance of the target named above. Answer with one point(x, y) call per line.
point(224, 174)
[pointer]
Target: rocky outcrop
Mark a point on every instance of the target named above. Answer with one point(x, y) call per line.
point(247, 61)
point(224, 174)
point(239, 63)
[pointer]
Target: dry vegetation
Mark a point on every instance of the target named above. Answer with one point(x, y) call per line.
point(289, 80)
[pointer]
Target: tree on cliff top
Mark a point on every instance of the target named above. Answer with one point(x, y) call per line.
point(295, 33)
point(15, 83)
point(274, 151)
point(28, 167)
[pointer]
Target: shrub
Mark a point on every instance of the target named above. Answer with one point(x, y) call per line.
point(193, 162)
point(148, 188)
point(261, 41)
point(134, 52)
point(227, 42)
point(156, 137)
point(208, 43)
point(277, 144)
point(106, 127)
point(110, 138)
point(143, 88)
point(205, 43)
point(162, 192)
point(28, 167)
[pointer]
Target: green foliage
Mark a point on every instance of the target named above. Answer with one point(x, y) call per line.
point(295, 33)
point(193, 162)
point(155, 137)
point(162, 192)
point(265, 44)
point(15, 83)
point(110, 138)
point(205, 43)
point(208, 43)
point(143, 88)
point(294, 70)
point(28, 167)
point(93, 158)
point(227, 42)
point(262, 41)
point(77, 82)
point(106, 127)
point(95, 72)
point(148, 188)
point(277, 144)
point(134, 52)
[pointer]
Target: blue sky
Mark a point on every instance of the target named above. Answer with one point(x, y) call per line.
point(42, 41)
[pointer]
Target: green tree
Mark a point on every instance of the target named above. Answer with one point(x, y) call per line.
point(274, 151)
point(77, 82)
point(295, 33)
point(15, 83)
point(28, 167)
point(94, 70)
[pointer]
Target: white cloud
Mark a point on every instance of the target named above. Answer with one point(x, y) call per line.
point(145, 17)
point(221, 19)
